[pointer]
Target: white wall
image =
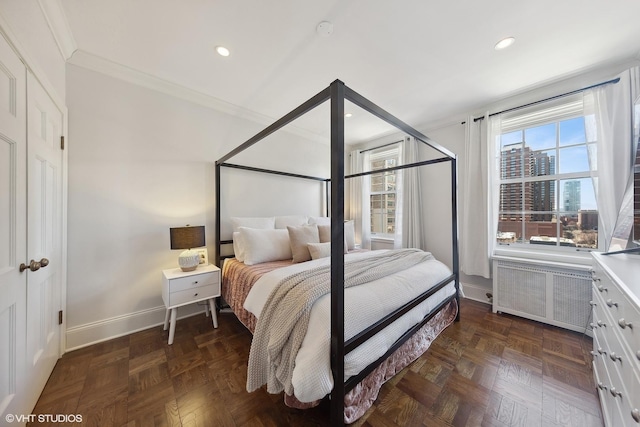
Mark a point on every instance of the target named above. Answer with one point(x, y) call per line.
point(141, 162)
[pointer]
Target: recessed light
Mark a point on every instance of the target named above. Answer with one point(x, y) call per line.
point(504, 43)
point(222, 51)
point(347, 115)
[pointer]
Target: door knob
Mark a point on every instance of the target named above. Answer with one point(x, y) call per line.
point(34, 265)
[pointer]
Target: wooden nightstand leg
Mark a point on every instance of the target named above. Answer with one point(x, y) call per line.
point(214, 317)
point(166, 319)
point(172, 326)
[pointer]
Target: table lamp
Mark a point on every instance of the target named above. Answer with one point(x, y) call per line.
point(187, 238)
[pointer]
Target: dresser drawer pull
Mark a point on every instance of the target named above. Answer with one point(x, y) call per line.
point(638, 354)
point(601, 351)
point(593, 325)
point(610, 303)
point(635, 414)
point(601, 323)
point(602, 288)
point(593, 353)
point(623, 324)
point(615, 357)
point(615, 393)
point(592, 304)
point(602, 386)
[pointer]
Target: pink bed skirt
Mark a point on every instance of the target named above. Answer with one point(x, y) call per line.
point(237, 280)
point(360, 398)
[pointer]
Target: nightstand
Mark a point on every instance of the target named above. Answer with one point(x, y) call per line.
point(187, 287)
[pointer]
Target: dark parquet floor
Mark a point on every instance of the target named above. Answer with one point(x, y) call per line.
point(486, 370)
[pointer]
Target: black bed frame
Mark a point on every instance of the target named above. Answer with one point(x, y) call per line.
point(337, 92)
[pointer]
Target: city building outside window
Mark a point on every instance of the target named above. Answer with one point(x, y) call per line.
point(383, 191)
point(546, 190)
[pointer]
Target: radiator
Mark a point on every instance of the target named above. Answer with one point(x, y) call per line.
point(547, 293)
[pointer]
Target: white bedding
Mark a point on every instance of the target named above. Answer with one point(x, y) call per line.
point(364, 305)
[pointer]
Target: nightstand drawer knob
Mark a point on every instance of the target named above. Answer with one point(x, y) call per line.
point(195, 283)
point(195, 295)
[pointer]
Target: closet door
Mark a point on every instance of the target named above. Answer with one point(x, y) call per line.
point(44, 232)
point(13, 233)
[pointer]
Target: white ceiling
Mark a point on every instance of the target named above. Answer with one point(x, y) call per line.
point(420, 60)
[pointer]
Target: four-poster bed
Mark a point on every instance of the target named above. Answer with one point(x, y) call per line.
point(411, 341)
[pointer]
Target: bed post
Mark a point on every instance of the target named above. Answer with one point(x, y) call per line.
point(454, 229)
point(337, 91)
point(218, 249)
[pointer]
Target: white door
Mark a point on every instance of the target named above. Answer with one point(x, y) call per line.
point(13, 232)
point(44, 234)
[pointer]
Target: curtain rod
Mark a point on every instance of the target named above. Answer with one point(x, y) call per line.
point(613, 81)
point(380, 146)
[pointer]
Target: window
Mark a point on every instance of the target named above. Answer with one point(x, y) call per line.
point(383, 191)
point(546, 190)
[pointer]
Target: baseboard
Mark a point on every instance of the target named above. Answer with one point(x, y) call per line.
point(103, 330)
point(475, 292)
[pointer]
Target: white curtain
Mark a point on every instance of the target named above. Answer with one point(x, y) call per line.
point(612, 109)
point(359, 195)
point(409, 216)
point(475, 224)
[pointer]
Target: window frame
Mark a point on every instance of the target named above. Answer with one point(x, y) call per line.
point(554, 113)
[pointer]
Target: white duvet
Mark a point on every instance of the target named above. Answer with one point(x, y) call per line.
point(364, 305)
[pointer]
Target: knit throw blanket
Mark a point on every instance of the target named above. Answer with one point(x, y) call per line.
point(282, 325)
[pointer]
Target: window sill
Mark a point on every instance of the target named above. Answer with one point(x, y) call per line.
point(576, 259)
point(382, 238)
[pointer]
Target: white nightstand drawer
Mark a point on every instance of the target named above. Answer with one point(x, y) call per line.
point(192, 295)
point(190, 282)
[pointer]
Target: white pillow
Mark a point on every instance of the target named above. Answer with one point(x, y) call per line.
point(320, 220)
point(238, 246)
point(350, 234)
point(319, 250)
point(290, 220)
point(262, 245)
point(262, 223)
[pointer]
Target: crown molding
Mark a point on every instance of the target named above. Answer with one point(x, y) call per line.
point(59, 26)
point(113, 69)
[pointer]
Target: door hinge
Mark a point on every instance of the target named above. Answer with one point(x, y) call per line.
point(60, 317)
point(62, 142)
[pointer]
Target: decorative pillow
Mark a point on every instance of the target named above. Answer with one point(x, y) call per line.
point(350, 234)
point(238, 246)
point(324, 234)
point(261, 223)
point(319, 250)
point(262, 245)
point(320, 220)
point(299, 238)
point(290, 220)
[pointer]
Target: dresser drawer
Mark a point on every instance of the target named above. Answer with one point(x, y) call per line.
point(190, 282)
point(192, 295)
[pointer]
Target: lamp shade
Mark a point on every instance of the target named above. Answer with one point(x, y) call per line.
point(187, 237)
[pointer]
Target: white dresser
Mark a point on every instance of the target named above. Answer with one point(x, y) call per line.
point(616, 337)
